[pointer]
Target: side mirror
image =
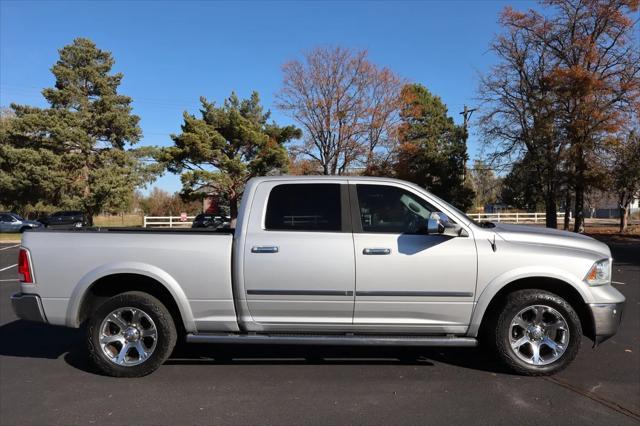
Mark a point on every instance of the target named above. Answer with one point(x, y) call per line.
point(434, 226)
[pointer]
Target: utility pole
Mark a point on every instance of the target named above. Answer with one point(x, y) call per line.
point(466, 114)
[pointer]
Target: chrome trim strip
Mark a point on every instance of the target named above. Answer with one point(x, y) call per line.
point(301, 292)
point(415, 293)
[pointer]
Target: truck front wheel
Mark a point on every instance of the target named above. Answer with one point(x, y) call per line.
point(130, 335)
point(537, 333)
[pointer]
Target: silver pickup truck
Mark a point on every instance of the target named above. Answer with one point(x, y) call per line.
point(325, 260)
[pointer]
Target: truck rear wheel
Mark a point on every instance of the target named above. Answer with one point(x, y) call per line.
point(130, 335)
point(537, 333)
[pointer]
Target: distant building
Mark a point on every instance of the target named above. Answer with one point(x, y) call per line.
point(604, 205)
point(496, 208)
point(210, 200)
point(210, 204)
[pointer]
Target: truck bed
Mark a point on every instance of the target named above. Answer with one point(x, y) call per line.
point(193, 264)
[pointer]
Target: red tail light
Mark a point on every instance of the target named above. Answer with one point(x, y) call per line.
point(24, 267)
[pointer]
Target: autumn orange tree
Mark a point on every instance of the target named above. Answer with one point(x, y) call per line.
point(347, 107)
point(586, 86)
point(432, 149)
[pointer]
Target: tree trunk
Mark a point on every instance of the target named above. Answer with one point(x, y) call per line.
point(368, 168)
point(87, 191)
point(567, 209)
point(624, 217)
point(581, 167)
point(578, 224)
point(89, 216)
point(233, 211)
point(551, 211)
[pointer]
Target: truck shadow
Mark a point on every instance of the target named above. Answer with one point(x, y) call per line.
point(25, 339)
point(472, 358)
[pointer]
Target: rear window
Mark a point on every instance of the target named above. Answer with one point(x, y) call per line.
point(304, 207)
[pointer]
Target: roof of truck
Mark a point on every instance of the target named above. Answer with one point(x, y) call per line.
point(330, 177)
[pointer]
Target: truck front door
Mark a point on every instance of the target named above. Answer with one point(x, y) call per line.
point(407, 280)
point(299, 265)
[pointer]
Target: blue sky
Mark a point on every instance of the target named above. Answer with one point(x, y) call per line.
point(173, 52)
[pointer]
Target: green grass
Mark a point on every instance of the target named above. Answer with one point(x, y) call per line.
point(10, 237)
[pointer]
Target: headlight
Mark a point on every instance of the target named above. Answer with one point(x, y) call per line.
point(600, 273)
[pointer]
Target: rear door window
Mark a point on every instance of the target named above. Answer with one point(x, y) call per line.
point(304, 207)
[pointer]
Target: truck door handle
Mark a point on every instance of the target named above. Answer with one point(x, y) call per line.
point(264, 249)
point(376, 251)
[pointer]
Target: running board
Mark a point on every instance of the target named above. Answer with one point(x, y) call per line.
point(334, 340)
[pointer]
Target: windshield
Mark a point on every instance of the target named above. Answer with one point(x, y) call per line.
point(17, 216)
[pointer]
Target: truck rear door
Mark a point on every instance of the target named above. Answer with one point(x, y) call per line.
point(299, 264)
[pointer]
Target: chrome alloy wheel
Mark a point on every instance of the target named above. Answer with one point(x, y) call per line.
point(539, 335)
point(128, 336)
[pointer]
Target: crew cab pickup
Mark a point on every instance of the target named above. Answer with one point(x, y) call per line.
point(325, 260)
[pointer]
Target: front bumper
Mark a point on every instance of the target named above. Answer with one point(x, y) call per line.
point(28, 307)
point(606, 320)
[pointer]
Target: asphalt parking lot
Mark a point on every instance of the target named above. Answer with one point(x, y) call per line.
point(46, 379)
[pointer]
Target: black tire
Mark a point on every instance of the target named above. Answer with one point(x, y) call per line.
point(163, 322)
point(24, 228)
point(499, 337)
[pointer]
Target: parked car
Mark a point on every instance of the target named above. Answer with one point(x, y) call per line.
point(205, 220)
point(325, 260)
point(67, 219)
point(13, 222)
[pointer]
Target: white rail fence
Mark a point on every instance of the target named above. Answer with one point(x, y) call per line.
point(513, 217)
point(168, 221)
point(182, 222)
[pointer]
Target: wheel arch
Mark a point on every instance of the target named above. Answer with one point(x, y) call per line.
point(488, 305)
point(109, 280)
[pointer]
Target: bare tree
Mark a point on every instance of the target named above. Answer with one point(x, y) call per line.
point(565, 83)
point(626, 173)
point(382, 120)
point(346, 106)
point(518, 110)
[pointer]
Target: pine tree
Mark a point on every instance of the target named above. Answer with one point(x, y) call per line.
point(86, 130)
point(227, 146)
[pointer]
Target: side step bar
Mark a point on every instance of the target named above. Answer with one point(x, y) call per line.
point(334, 340)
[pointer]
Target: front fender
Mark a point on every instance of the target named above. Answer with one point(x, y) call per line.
point(506, 278)
point(138, 268)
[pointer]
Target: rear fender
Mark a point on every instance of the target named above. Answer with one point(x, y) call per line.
point(162, 277)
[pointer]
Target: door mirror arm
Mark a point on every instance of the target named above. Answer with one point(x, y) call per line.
point(434, 226)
